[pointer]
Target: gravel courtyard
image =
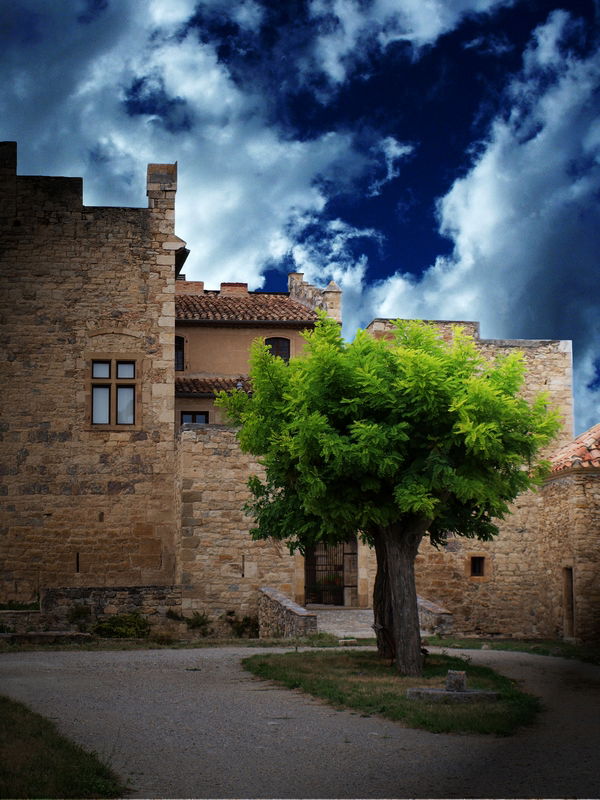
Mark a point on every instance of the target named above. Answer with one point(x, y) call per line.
point(193, 723)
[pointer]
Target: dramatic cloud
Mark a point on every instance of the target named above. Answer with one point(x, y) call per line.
point(156, 93)
point(248, 95)
point(524, 220)
point(351, 28)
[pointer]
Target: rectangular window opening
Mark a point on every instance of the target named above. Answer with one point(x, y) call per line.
point(125, 405)
point(477, 566)
point(179, 353)
point(101, 405)
point(194, 417)
point(113, 392)
point(125, 369)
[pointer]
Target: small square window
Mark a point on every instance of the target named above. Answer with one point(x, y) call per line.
point(125, 369)
point(101, 369)
point(194, 417)
point(477, 566)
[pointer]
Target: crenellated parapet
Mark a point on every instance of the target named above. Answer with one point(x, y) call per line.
point(328, 299)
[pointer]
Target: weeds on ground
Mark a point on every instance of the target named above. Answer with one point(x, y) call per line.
point(199, 621)
point(36, 761)
point(245, 627)
point(541, 647)
point(123, 626)
point(80, 615)
point(360, 680)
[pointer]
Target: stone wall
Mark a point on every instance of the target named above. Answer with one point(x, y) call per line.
point(222, 568)
point(103, 602)
point(278, 616)
point(569, 513)
point(84, 504)
point(328, 299)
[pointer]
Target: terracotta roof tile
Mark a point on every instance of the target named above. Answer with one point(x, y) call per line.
point(209, 386)
point(259, 307)
point(583, 452)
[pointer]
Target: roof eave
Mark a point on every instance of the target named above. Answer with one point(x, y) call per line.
point(249, 323)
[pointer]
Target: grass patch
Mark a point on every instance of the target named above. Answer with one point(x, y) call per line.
point(540, 647)
point(360, 680)
point(37, 761)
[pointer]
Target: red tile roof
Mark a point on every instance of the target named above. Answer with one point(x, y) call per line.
point(583, 452)
point(209, 386)
point(250, 308)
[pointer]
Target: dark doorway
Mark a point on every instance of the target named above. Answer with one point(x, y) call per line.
point(331, 574)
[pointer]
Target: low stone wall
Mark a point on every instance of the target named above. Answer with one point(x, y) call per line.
point(433, 618)
point(105, 601)
point(20, 621)
point(278, 616)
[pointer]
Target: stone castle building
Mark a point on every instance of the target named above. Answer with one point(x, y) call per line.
point(120, 480)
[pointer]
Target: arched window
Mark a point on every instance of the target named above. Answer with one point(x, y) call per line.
point(279, 347)
point(179, 352)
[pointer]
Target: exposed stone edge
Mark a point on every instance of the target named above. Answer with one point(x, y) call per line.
point(279, 597)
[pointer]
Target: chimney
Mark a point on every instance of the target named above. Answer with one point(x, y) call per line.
point(234, 289)
point(188, 287)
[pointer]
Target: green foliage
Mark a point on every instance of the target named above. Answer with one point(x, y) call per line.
point(200, 622)
point(80, 616)
point(356, 436)
point(366, 683)
point(123, 626)
point(245, 627)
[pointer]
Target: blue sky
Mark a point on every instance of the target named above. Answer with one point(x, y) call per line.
point(437, 158)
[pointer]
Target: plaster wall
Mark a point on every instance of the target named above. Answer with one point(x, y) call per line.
point(224, 350)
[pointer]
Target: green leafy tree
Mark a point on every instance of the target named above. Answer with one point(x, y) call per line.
point(393, 439)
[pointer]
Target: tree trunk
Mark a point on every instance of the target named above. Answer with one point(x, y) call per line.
point(395, 594)
point(382, 608)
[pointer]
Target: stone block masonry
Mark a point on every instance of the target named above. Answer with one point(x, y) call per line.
point(278, 616)
point(222, 567)
point(85, 503)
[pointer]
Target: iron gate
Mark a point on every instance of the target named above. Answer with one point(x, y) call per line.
point(329, 572)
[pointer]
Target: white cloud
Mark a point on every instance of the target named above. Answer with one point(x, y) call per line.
point(358, 26)
point(245, 193)
point(175, 12)
point(248, 15)
point(392, 151)
point(525, 221)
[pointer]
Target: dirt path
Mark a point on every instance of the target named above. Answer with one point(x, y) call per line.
point(192, 723)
